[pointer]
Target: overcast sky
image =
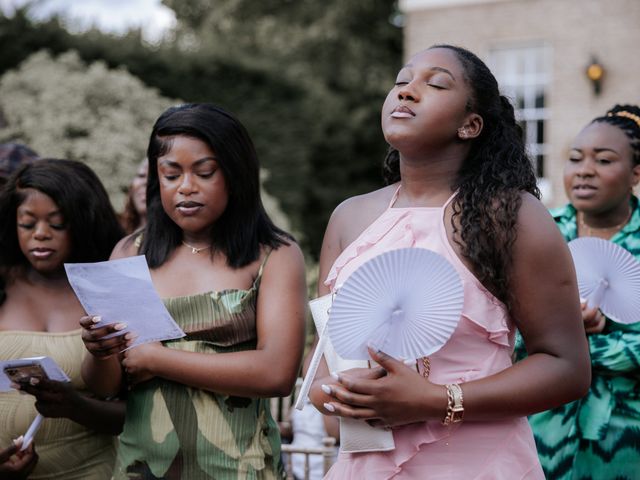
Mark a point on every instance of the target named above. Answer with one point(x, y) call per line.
point(115, 16)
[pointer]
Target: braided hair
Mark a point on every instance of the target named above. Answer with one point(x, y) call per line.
point(627, 119)
point(490, 182)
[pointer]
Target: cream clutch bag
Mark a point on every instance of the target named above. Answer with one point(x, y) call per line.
point(355, 435)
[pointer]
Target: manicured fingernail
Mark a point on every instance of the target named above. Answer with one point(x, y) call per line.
point(120, 326)
point(329, 407)
point(373, 346)
point(335, 376)
point(408, 363)
point(18, 440)
point(129, 336)
point(34, 381)
point(326, 389)
point(96, 319)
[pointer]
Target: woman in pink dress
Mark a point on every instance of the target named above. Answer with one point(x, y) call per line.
point(460, 184)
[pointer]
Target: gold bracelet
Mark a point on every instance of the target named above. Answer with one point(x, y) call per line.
point(455, 409)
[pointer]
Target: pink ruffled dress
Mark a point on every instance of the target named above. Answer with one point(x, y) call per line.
point(480, 346)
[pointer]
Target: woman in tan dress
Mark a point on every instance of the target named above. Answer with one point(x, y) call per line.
point(52, 212)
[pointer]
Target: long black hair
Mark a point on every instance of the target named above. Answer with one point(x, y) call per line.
point(490, 182)
point(627, 119)
point(244, 226)
point(76, 190)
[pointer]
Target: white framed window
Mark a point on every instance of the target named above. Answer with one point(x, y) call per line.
point(524, 75)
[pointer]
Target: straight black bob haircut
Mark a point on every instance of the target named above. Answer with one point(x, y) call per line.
point(76, 190)
point(244, 226)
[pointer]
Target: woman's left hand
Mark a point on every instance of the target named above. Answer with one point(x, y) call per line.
point(593, 318)
point(399, 396)
point(54, 399)
point(137, 362)
point(16, 464)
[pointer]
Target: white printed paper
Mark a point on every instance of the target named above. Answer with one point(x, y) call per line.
point(121, 291)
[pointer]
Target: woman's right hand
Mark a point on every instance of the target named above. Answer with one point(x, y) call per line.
point(388, 395)
point(16, 464)
point(320, 397)
point(94, 341)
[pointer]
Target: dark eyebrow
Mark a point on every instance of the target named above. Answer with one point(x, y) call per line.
point(443, 70)
point(437, 69)
point(31, 214)
point(171, 163)
point(597, 150)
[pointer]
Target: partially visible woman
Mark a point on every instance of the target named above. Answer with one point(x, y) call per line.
point(12, 156)
point(198, 406)
point(599, 435)
point(16, 463)
point(52, 212)
point(134, 215)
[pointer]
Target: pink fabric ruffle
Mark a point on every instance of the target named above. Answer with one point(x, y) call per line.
point(404, 228)
point(475, 451)
point(382, 227)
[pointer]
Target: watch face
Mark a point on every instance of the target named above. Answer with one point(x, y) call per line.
point(458, 413)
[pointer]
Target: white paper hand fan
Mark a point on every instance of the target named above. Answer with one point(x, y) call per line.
point(608, 277)
point(406, 302)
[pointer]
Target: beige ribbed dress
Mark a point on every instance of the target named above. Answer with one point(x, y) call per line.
point(67, 450)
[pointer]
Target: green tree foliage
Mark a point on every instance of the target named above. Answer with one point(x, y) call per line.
point(307, 78)
point(66, 109)
point(344, 53)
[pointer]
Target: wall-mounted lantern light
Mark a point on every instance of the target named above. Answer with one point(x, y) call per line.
point(595, 73)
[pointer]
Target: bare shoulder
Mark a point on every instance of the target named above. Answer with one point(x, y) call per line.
point(347, 223)
point(285, 269)
point(355, 214)
point(126, 247)
point(289, 254)
point(538, 238)
point(535, 223)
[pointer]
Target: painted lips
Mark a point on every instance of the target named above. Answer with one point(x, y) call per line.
point(584, 191)
point(402, 111)
point(189, 208)
point(42, 253)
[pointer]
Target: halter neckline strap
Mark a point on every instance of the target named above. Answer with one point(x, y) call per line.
point(396, 194)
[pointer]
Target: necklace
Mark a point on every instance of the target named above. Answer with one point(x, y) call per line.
point(195, 250)
point(588, 230)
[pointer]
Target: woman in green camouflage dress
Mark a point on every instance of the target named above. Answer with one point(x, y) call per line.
point(197, 407)
point(598, 437)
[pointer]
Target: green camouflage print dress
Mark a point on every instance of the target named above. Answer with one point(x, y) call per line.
point(598, 437)
point(173, 431)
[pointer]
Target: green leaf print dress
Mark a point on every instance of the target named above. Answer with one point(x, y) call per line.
point(173, 431)
point(598, 436)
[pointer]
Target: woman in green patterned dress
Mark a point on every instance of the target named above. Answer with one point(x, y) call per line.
point(598, 437)
point(198, 407)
